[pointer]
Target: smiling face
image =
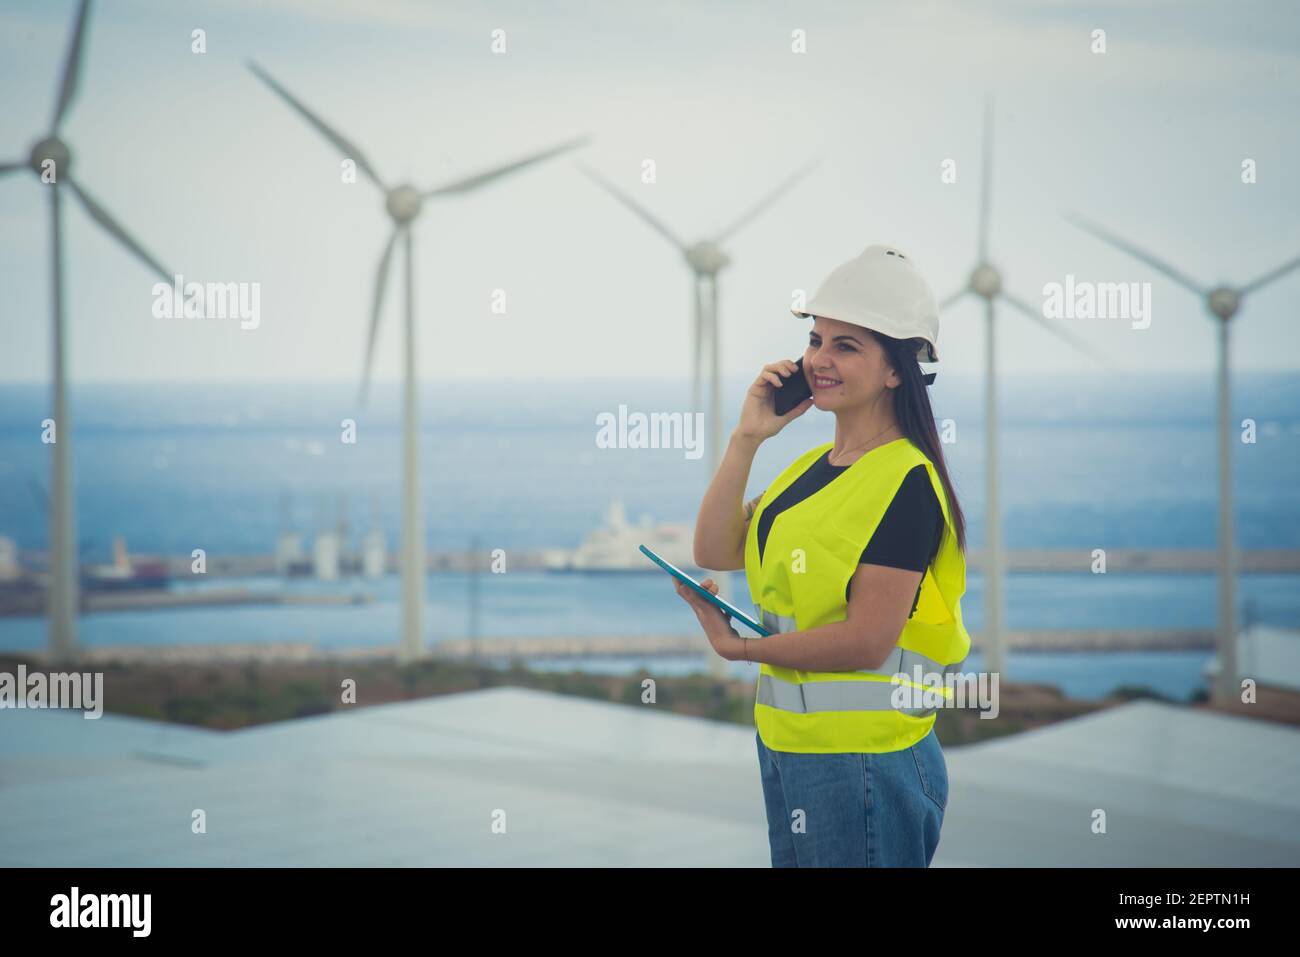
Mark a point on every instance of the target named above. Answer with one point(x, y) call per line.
point(845, 365)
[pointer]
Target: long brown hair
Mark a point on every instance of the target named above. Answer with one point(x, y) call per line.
point(916, 418)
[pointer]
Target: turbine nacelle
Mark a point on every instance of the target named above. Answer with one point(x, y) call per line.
point(51, 149)
point(985, 281)
point(1224, 302)
point(707, 257)
point(403, 203)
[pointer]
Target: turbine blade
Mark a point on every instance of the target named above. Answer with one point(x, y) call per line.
point(1268, 277)
point(953, 298)
point(1156, 264)
point(487, 176)
point(1056, 330)
point(627, 201)
point(381, 281)
point(71, 67)
point(768, 200)
point(986, 178)
point(341, 142)
point(10, 167)
point(101, 216)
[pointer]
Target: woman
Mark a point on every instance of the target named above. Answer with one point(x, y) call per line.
point(854, 558)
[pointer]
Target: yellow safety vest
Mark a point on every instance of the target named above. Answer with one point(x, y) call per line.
point(811, 553)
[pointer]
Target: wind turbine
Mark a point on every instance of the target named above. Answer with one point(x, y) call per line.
point(986, 282)
point(705, 259)
point(53, 157)
point(1223, 302)
point(404, 203)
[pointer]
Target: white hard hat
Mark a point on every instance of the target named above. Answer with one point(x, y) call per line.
point(881, 290)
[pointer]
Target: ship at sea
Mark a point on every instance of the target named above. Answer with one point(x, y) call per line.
point(613, 547)
point(125, 572)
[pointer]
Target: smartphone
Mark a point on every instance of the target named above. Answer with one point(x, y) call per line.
point(794, 389)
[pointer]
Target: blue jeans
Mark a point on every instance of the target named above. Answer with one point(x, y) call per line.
point(856, 809)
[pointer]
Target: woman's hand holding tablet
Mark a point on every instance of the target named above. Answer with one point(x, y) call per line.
point(697, 595)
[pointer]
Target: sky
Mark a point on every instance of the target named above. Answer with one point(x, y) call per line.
point(221, 181)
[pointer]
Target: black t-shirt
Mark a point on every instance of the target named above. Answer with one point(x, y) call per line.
point(908, 535)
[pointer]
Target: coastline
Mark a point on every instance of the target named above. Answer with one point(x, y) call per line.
point(285, 684)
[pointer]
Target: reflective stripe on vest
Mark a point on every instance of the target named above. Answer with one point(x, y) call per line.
point(900, 660)
point(831, 696)
point(773, 622)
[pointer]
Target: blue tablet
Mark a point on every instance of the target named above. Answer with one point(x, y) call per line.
point(725, 606)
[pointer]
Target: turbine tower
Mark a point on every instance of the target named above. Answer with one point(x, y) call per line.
point(986, 282)
point(1223, 302)
point(52, 157)
point(705, 259)
point(404, 203)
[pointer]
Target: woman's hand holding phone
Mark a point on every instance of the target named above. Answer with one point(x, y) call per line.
point(758, 418)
